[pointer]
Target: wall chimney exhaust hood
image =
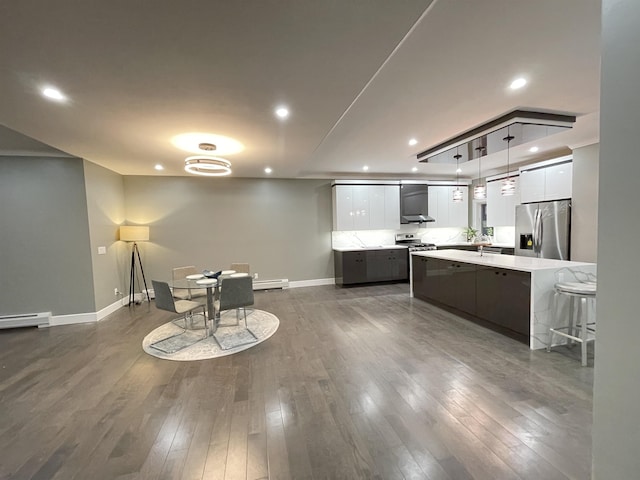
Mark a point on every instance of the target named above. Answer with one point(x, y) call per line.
point(414, 204)
point(525, 126)
point(417, 219)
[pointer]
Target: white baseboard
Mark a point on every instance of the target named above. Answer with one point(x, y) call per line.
point(92, 317)
point(312, 283)
point(89, 317)
point(73, 319)
point(109, 309)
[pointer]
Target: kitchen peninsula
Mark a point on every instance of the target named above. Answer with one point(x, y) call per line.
point(513, 293)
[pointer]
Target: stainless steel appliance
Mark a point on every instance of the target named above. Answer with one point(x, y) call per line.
point(414, 204)
point(413, 243)
point(543, 230)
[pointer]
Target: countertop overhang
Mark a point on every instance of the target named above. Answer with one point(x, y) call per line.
point(512, 262)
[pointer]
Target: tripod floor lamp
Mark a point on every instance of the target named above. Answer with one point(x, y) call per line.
point(135, 233)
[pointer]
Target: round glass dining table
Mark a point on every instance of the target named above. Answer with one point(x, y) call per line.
point(199, 281)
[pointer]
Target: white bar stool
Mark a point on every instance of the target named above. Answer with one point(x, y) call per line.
point(583, 330)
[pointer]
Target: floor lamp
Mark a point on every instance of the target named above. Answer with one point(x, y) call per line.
point(137, 233)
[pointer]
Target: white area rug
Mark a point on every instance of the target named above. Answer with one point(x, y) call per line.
point(262, 324)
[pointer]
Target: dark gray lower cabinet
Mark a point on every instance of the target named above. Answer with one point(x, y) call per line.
point(447, 282)
point(350, 267)
point(496, 295)
point(504, 298)
point(368, 266)
point(419, 268)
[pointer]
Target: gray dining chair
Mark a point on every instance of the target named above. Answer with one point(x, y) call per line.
point(235, 293)
point(180, 273)
point(165, 301)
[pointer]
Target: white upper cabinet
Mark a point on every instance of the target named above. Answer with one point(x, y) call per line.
point(361, 213)
point(342, 207)
point(443, 209)
point(550, 180)
point(558, 180)
point(532, 185)
point(366, 207)
point(391, 207)
point(501, 210)
point(376, 207)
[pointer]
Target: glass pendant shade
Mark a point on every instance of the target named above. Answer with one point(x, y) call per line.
point(457, 193)
point(479, 192)
point(508, 187)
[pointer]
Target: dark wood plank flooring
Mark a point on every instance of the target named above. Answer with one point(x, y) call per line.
point(360, 382)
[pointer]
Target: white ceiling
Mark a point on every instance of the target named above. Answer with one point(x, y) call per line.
point(361, 77)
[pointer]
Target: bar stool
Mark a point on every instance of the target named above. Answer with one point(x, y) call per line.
point(584, 327)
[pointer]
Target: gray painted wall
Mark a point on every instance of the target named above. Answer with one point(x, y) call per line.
point(584, 212)
point(44, 238)
point(616, 429)
point(281, 227)
point(105, 208)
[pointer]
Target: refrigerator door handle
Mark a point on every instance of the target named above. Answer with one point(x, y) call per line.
point(540, 232)
point(537, 241)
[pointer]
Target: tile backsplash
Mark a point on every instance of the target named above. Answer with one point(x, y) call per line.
point(373, 238)
point(504, 235)
point(439, 236)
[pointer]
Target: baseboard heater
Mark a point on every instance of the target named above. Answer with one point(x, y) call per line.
point(270, 284)
point(25, 320)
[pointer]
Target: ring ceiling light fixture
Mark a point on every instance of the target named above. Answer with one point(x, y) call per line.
point(195, 142)
point(207, 166)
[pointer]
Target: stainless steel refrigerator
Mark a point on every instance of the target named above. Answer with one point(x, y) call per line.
point(543, 229)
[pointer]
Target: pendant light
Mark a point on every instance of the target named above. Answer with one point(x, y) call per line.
point(508, 185)
point(457, 193)
point(480, 190)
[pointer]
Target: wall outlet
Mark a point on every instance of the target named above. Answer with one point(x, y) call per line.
point(255, 276)
point(116, 292)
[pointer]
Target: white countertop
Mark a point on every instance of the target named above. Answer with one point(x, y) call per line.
point(469, 244)
point(375, 247)
point(512, 262)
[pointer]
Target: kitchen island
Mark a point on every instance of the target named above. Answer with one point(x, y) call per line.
point(513, 293)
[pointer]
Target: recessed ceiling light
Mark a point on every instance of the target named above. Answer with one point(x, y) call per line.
point(159, 167)
point(282, 112)
point(413, 141)
point(458, 170)
point(414, 169)
point(534, 149)
point(195, 142)
point(518, 83)
point(365, 168)
point(268, 170)
point(53, 94)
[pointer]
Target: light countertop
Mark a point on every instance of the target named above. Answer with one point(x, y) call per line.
point(512, 262)
point(469, 244)
point(360, 249)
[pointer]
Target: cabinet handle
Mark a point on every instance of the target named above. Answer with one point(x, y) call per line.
point(497, 273)
point(504, 274)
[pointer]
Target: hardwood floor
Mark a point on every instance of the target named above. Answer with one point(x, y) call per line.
point(358, 382)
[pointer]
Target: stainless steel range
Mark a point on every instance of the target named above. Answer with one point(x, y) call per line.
point(413, 242)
